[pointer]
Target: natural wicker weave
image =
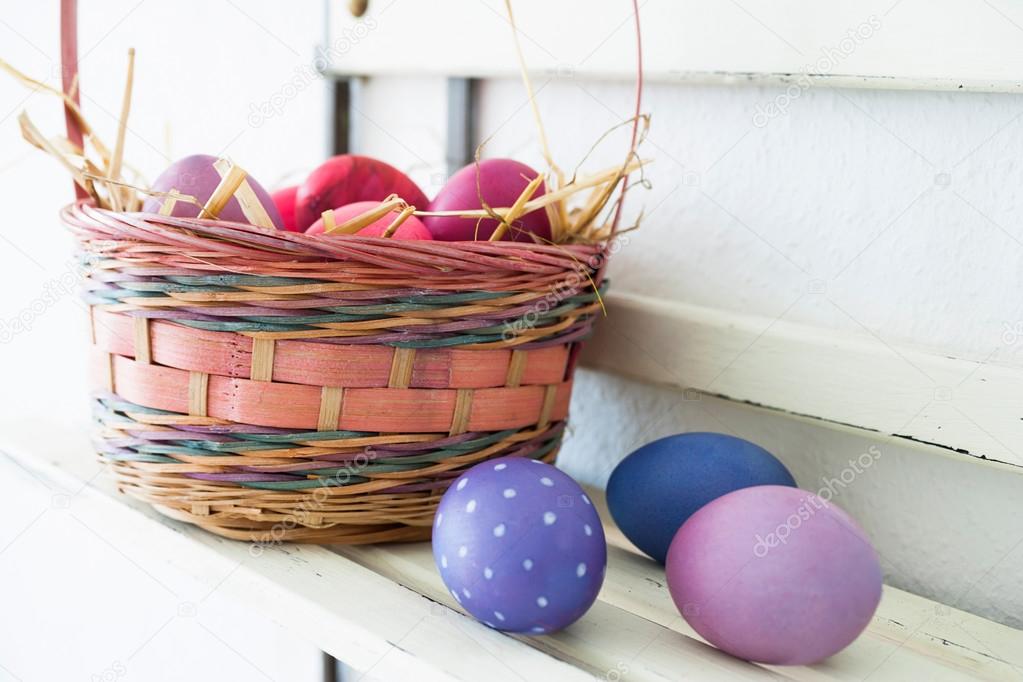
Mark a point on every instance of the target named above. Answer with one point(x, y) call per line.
point(272, 386)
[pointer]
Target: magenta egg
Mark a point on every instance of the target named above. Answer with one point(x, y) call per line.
point(519, 545)
point(774, 574)
point(196, 176)
point(499, 182)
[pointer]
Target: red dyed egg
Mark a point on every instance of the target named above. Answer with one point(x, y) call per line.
point(348, 178)
point(284, 200)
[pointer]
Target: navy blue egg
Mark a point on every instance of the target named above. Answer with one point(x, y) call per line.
point(653, 491)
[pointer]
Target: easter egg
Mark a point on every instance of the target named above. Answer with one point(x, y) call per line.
point(656, 488)
point(774, 574)
point(412, 228)
point(196, 176)
point(348, 178)
point(499, 182)
point(519, 545)
point(284, 200)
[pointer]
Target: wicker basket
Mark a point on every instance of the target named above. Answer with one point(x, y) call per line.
point(272, 386)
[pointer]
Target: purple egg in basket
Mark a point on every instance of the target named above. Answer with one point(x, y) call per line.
point(519, 545)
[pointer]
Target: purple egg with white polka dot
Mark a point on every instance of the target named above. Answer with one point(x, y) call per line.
point(520, 545)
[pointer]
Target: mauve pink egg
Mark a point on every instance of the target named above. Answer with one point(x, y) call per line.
point(501, 181)
point(411, 229)
point(774, 574)
point(195, 175)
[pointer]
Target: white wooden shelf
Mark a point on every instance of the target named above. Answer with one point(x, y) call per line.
point(385, 608)
point(967, 407)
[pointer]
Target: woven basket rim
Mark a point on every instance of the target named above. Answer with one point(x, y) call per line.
point(261, 243)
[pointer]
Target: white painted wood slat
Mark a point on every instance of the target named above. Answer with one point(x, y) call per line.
point(967, 406)
point(384, 608)
point(940, 44)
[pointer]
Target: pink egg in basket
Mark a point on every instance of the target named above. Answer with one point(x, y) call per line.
point(411, 228)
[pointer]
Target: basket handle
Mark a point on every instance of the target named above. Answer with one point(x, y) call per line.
point(635, 120)
point(69, 74)
point(598, 278)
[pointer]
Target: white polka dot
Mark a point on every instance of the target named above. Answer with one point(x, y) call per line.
point(536, 461)
point(461, 484)
point(488, 573)
point(509, 493)
point(462, 551)
point(549, 518)
point(444, 560)
point(547, 482)
point(541, 601)
point(580, 570)
point(537, 629)
point(527, 564)
point(587, 529)
point(500, 467)
point(586, 499)
point(470, 506)
point(498, 615)
point(440, 517)
point(455, 595)
point(499, 530)
point(489, 624)
point(466, 592)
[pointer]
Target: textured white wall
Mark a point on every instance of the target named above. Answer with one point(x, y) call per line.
point(893, 211)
